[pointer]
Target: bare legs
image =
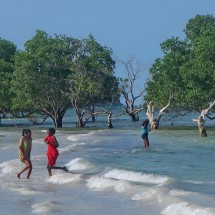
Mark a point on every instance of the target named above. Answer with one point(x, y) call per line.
point(146, 142)
point(55, 167)
point(28, 166)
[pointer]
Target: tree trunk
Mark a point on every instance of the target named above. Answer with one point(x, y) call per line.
point(57, 118)
point(109, 120)
point(79, 113)
point(134, 117)
point(80, 123)
point(58, 122)
point(155, 122)
point(201, 120)
point(4, 115)
point(93, 116)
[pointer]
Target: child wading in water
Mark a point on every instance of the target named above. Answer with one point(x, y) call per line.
point(52, 152)
point(145, 132)
point(25, 144)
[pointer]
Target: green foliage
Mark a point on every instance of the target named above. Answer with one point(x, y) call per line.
point(39, 79)
point(196, 27)
point(7, 51)
point(92, 79)
point(53, 71)
point(187, 68)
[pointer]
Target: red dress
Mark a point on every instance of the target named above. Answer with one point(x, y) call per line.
point(52, 152)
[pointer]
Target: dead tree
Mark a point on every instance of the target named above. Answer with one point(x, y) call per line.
point(155, 122)
point(201, 120)
point(128, 90)
point(104, 112)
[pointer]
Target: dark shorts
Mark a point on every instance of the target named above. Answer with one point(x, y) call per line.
point(145, 136)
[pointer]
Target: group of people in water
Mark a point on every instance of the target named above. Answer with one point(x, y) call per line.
point(25, 145)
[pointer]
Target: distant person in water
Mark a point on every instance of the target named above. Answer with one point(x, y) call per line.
point(145, 132)
point(25, 145)
point(52, 152)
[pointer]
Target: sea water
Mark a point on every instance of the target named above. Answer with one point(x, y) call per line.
point(110, 172)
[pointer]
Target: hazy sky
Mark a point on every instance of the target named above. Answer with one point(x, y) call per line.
point(128, 27)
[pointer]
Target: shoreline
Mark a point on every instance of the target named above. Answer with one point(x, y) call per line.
point(83, 130)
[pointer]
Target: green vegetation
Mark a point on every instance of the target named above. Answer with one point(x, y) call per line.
point(7, 51)
point(187, 69)
point(54, 73)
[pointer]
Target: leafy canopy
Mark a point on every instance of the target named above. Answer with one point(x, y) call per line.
point(187, 68)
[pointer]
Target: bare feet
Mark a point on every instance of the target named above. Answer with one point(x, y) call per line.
point(65, 169)
point(18, 176)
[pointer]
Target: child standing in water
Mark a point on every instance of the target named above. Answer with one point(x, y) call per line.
point(52, 152)
point(25, 145)
point(145, 132)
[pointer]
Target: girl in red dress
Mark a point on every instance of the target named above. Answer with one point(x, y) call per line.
point(52, 152)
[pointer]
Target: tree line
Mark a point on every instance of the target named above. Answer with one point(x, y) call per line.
point(184, 78)
point(54, 73)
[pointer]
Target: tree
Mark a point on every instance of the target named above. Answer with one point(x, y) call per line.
point(40, 77)
point(127, 88)
point(7, 51)
point(155, 121)
point(187, 69)
point(53, 72)
point(201, 63)
point(92, 80)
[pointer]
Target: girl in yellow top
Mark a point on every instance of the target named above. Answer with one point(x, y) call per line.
point(25, 145)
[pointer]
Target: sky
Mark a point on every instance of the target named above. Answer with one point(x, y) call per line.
point(129, 27)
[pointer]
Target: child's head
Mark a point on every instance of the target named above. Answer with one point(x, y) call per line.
point(26, 132)
point(51, 131)
point(145, 122)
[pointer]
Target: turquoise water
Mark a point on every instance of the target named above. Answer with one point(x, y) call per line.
point(110, 172)
point(119, 120)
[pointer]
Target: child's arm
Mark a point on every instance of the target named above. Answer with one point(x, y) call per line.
point(52, 140)
point(56, 142)
point(21, 147)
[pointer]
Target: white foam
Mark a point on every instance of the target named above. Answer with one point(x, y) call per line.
point(43, 207)
point(96, 132)
point(25, 191)
point(100, 183)
point(77, 137)
point(199, 182)
point(194, 182)
point(8, 169)
point(184, 208)
point(147, 195)
point(74, 137)
point(39, 141)
point(7, 147)
point(78, 164)
point(44, 131)
point(63, 178)
point(68, 148)
point(136, 177)
point(178, 192)
point(9, 166)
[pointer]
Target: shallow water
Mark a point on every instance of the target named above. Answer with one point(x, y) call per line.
point(110, 172)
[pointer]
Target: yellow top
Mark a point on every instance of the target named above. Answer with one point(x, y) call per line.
point(25, 148)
